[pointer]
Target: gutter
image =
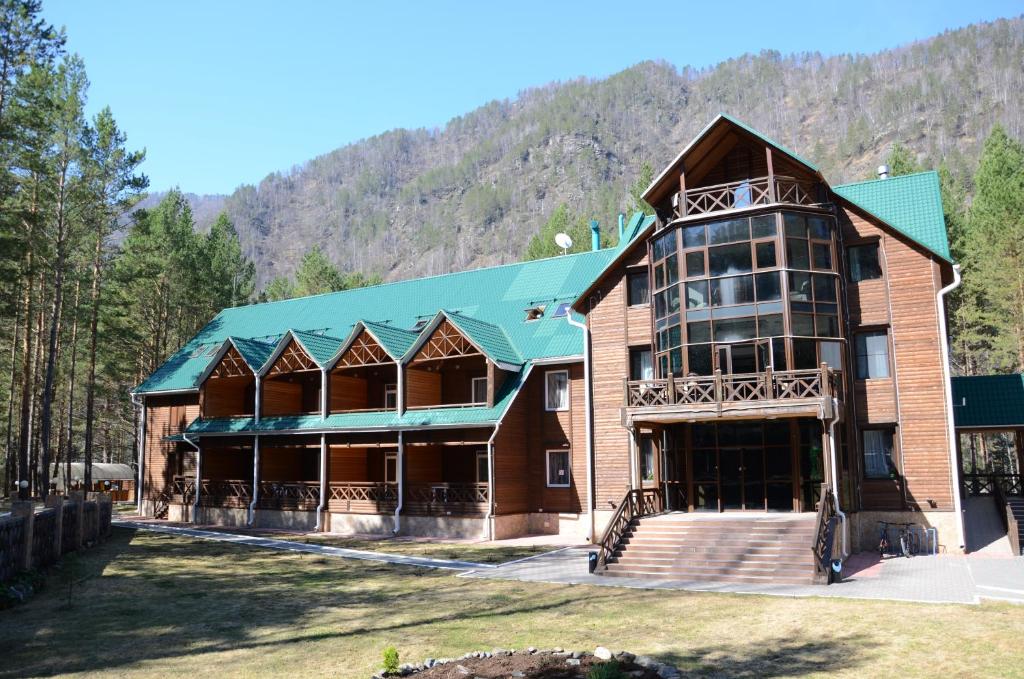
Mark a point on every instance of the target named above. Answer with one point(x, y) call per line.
point(199, 475)
point(489, 519)
point(140, 488)
point(835, 474)
point(255, 480)
point(589, 420)
point(947, 383)
point(323, 484)
point(400, 472)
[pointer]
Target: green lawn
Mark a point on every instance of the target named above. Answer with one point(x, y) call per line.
point(459, 551)
point(155, 605)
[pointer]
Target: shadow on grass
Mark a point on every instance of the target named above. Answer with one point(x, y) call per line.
point(169, 597)
point(784, 658)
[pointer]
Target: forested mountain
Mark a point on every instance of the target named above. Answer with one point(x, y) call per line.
point(416, 202)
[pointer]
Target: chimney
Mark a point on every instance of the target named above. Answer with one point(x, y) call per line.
point(595, 235)
point(883, 171)
point(622, 226)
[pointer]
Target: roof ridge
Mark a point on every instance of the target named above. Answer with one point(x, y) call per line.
point(887, 179)
point(424, 278)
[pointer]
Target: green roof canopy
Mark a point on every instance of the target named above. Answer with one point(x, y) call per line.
point(911, 204)
point(988, 401)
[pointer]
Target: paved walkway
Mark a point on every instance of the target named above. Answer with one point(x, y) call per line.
point(293, 546)
point(924, 579)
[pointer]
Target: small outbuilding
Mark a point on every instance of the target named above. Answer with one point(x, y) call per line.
point(107, 477)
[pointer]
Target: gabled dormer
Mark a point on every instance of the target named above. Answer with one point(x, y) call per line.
point(457, 361)
point(364, 371)
point(729, 167)
point(292, 378)
point(227, 388)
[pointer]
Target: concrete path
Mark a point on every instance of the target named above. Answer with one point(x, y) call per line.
point(924, 579)
point(291, 546)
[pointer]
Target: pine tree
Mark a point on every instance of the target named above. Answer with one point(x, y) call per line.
point(562, 220)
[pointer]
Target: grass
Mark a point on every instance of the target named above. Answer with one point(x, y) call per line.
point(456, 551)
point(151, 605)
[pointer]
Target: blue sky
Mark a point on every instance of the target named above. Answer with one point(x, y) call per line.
point(224, 92)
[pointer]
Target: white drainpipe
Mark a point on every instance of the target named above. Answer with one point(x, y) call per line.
point(323, 393)
point(490, 482)
point(323, 484)
point(835, 474)
point(400, 471)
point(255, 479)
point(947, 383)
point(258, 401)
point(588, 419)
point(141, 486)
point(199, 476)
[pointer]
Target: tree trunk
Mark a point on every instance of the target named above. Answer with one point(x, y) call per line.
point(71, 386)
point(9, 452)
point(28, 351)
point(90, 380)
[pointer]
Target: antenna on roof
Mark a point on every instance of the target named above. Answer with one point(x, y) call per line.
point(564, 241)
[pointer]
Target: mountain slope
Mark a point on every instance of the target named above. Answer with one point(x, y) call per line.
point(419, 202)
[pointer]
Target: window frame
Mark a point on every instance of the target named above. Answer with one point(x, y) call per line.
point(390, 389)
point(547, 386)
point(868, 242)
point(630, 275)
point(568, 467)
point(472, 390)
point(875, 330)
point(482, 454)
point(387, 458)
point(636, 351)
point(894, 468)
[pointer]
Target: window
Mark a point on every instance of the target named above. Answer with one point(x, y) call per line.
point(419, 325)
point(638, 289)
point(390, 396)
point(558, 468)
point(556, 390)
point(872, 354)
point(479, 390)
point(561, 310)
point(646, 458)
point(481, 467)
point(863, 262)
point(878, 454)
point(391, 468)
point(640, 365)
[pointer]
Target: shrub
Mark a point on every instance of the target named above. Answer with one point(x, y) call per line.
point(606, 670)
point(391, 660)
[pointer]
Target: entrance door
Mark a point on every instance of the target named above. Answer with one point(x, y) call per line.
point(743, 358)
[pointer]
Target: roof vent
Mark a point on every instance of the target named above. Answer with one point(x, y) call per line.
point(535, 312)
point(883, 171)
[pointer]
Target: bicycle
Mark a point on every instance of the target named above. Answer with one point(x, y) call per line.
point(907, 539)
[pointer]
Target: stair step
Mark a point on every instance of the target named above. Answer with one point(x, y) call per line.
point(707, 577)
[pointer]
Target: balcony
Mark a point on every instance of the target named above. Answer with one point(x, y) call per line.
point(790, 393)
point(770, 190)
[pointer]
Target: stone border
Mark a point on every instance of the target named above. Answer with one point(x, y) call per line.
point(664, 670)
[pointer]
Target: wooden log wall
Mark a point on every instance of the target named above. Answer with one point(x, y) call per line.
point(228, 396)
point(348, 392)
point(165, 416)
point(280, 397)
point(348, 464)
point(422, 387)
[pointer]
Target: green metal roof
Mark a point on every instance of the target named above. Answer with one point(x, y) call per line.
point(496, 295)
point(911, 204)
point(254, 352)
point(491, 339)
point(988, 401)
point(387, 419)
point(395, 341)
point(321, 347)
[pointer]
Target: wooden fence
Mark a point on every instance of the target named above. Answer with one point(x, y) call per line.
point(37, 539)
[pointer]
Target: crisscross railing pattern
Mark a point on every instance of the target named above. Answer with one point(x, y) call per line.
point(719, 388)
point(746, 193)
point(362, 496)
point(447, 498)
point(289, 494)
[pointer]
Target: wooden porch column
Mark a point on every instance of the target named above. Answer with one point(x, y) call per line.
point(255, 478)
point(322, 504)
point(491, 386)
point(772, 198)
point(1019, 443)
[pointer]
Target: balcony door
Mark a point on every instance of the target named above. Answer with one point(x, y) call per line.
point(743, 358)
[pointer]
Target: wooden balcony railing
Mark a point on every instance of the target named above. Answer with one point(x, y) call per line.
point(362, 497)
point(303, 495)
point(446, 498)
point(719, 389)
point(746, 193)
point(986, 483)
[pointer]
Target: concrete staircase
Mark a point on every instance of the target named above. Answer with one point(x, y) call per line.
point(718, 548)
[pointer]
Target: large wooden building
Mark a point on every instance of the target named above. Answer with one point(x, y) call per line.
point(764, 344)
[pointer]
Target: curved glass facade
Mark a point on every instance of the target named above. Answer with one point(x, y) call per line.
point(742, 294)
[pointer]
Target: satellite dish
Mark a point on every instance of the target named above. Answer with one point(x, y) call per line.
point(563, 241)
